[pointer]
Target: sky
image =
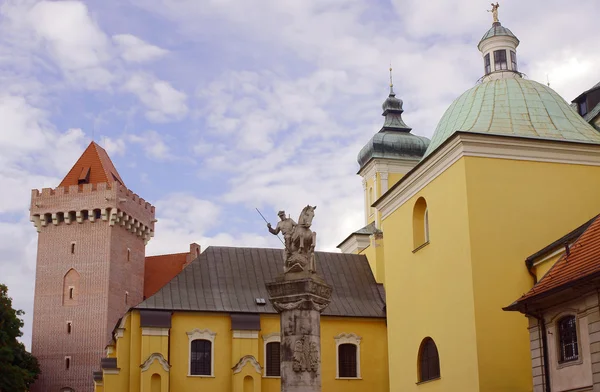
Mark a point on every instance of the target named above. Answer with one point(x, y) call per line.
point(212, 108)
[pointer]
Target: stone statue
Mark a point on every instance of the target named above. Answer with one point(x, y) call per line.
point(300, 240)
point(286, 226)
point(494, 11)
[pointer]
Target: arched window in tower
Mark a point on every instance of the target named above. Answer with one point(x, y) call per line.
point(428, 361)
point(420, 223)
point(488, 64)
point(500, 60)
point(71, 283)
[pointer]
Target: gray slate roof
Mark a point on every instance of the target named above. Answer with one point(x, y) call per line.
point(497, 30)
point(228, 279)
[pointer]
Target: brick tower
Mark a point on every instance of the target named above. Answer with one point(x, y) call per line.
point(90, 268)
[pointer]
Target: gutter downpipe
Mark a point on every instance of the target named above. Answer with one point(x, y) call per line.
point(542, 324)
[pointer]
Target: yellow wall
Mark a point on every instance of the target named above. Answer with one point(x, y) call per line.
point(515, 209)
point(486, 216)
point(430, 293)
point(228, 351)
point(542, 267)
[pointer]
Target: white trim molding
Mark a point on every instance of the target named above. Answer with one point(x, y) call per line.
point(203, 334)
point(239, 334)
point(355, 243)
point(243, 361)
point(347, 338)
point(469, 144)
point(155, 357)
point(274, 337)
point(155, 331)
point(386, 165)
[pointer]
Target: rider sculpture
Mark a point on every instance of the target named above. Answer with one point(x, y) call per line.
point(299, 240)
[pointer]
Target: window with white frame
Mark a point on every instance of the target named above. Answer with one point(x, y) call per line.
point(347, 348)
point(567, 336)
point(202, 353)
point(272, 354)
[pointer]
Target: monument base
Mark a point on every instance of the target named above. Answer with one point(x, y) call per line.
point(300, 297)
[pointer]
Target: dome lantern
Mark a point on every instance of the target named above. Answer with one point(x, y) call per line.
point(498, 47)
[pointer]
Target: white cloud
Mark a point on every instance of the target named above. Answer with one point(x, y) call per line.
point(74, 41)
point(164, 103)
point(136, 50)
point(113, 146)
point(154, 146)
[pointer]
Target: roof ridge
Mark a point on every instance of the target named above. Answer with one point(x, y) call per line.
point(93, 166)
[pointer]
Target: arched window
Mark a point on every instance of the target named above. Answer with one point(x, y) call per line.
point(155, 383)
point(273, 358)
point(567, 336)
point(420, 223)
point(429, 361)
point(200, 358)
point(71, 287)
point(248, 384)
point(347, 360)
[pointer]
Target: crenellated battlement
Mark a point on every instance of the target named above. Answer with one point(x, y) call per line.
point(112, 203)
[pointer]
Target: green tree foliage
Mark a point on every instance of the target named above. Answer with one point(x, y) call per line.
point(18, 368)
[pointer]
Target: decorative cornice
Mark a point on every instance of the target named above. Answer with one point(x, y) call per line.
point(201, 333)
point(272, 337)
point(348, 338)
point(155, 357)
point(155, 331)
point(385, 165)
point(238, 334)
point(304, 304)
point(468, 144)
point(243, 361)
point(354, 243)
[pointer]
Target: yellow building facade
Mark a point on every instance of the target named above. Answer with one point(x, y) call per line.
point(216, 302)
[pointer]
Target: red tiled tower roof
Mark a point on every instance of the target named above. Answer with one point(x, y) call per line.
point(581, 262)
point(93, 167)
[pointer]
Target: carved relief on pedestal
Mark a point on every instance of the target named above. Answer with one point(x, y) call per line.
point(306, 356)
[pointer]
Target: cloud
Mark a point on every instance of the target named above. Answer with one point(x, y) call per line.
point(136, 50)
point(114, 146)
point(73, 40)
point(164, 103)
point(153, 145)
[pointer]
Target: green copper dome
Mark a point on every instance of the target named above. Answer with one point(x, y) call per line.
point(516, 107)
point(498, 30)
point(394, 140)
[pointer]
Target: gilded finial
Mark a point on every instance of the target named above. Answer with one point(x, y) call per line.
point(391, 82)
point(494, 12)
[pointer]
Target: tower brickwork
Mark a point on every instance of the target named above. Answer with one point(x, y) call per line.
point(90, 268)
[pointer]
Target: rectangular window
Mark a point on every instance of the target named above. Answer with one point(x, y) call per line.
point(347, 360)
point(200, 358)
point(69, 327)
point(488, 65)
point(513, 60)
point(67, 362)
point(97, 214)
point(72, 248)
point(500, 60)
point(567, 329)
point(71, 292)
point(128, 254)
point(273, 359)
point(126, 297)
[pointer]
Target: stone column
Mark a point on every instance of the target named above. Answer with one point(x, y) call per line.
point(300, 297)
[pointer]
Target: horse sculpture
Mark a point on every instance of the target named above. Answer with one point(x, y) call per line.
point(303, 243)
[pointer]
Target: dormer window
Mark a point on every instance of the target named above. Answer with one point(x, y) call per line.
point(488, 65)
point(500, 60)
point(513, 60)
point(583, 107)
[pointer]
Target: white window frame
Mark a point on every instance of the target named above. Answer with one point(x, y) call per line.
point(426, 224)
point(347, 338)
point(274, 337)
point(204, 334)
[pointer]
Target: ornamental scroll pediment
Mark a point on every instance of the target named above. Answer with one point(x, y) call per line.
point(306, 356)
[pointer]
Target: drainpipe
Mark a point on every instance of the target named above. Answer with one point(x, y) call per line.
point(542, 325)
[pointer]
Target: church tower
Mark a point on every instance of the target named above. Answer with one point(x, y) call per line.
point(90, 268)
point(384, 160)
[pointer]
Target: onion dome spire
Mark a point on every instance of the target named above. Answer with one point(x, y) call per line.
point(392, 111)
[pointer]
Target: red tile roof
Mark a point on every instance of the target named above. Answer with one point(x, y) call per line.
point(583, 261)
point(159, 270)
point(95, 164)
